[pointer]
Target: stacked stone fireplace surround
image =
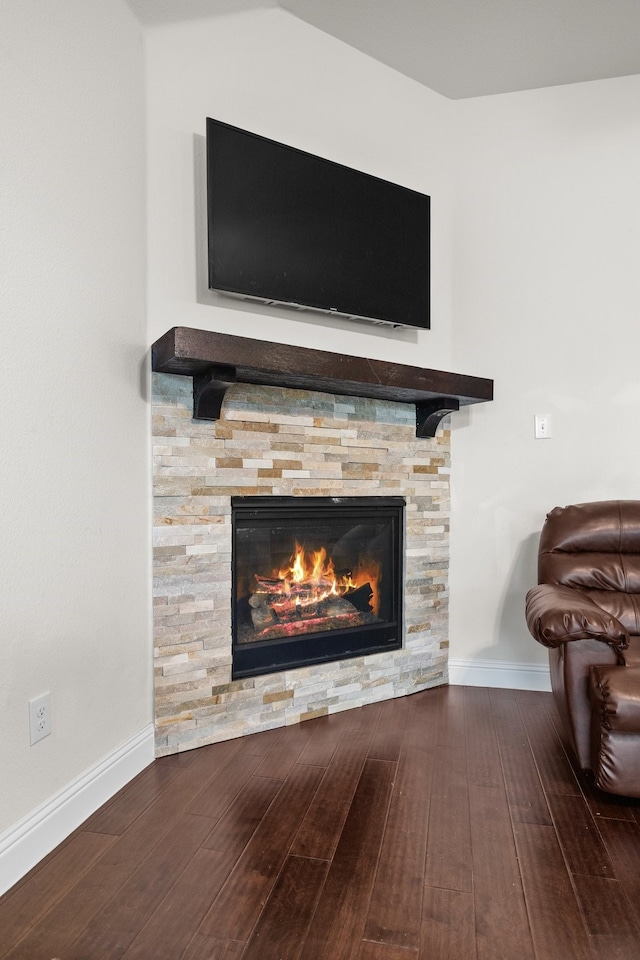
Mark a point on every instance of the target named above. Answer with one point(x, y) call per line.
point(272, 441)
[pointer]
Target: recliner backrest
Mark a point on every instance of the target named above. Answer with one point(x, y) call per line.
point(595, 548)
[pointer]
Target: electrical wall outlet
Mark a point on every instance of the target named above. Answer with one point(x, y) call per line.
point(40, 717)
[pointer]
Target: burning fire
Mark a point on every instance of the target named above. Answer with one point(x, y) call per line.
point(315, 568)
point(308, 594)
point(311, 578)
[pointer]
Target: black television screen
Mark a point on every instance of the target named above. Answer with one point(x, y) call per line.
point(287, 227)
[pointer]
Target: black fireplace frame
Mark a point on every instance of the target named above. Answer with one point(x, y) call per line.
point(276, 655)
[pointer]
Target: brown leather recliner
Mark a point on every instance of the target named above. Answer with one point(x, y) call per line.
point(586, 610)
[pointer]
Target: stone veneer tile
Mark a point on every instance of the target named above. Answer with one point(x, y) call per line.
point(273, 441)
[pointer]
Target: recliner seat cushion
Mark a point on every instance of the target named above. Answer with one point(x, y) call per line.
point(614, 692)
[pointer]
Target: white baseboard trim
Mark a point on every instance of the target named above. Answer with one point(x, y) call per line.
point(37, 834)
point(499, 673)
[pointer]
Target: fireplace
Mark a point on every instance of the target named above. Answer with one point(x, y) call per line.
point(314, 579)
point(296, 442)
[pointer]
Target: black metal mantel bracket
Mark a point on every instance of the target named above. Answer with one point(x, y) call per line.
point(431, 412)
point(216, 361)
point(209, 389)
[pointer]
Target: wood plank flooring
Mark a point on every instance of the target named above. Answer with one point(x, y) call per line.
point(448, 825)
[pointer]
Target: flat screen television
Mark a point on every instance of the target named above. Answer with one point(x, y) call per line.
point(287, 227)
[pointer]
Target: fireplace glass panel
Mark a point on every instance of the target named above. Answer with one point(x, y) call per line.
point(314, 579)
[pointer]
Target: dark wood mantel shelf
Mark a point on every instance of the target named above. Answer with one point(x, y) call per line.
point(218, 360)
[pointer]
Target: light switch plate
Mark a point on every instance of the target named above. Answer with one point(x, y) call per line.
point(542, 426)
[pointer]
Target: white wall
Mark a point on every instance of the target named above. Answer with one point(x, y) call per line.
point(547, 301)
point(74, 465)
point(269, 72)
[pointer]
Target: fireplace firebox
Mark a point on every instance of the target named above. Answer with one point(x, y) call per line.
point(314, 579)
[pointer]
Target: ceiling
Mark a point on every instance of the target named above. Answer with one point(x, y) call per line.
point(461, 48)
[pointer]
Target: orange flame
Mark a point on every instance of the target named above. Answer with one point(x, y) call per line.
point(316, 571)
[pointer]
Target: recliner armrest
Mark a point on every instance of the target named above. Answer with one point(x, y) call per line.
point(557, 614)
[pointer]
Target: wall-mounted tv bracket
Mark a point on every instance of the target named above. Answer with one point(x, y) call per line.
point(216, 361)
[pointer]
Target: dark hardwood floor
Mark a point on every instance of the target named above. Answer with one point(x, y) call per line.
point(448, 825)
